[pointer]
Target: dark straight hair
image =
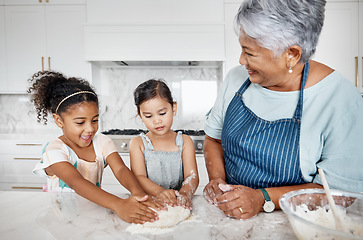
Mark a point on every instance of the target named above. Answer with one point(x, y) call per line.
point(150, 89)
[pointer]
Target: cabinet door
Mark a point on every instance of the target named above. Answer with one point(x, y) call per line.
point(65, 44)
point(3, 74)
point(233, 48)
point(23, 2)
point(203, 174)
point(338, 43)
point(360, 57)
point(25, 40)
point(109, 181)
point(17, 160)
point(42, 2)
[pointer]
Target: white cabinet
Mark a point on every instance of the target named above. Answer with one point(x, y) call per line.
point(156, 30)
point(18, 158)
point(2, 47)
point(109, 181)
point(155, 43)
point(146, 12)
point(203, 174)
point(338, 45)
point(360, 56)
point(25, 45)
point(37, 2)
point(232, 46)
point(42, 36)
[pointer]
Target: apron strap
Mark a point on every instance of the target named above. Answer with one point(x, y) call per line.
point(299, 107)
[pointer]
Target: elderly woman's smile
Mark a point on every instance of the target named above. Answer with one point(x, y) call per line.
point(267, 69)
point(262, 66)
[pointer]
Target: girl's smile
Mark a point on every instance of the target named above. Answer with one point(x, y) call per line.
point(79, 124)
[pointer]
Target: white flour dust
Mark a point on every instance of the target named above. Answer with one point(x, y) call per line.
point(323, 217)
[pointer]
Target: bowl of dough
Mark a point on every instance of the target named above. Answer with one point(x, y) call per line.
point(311, 217)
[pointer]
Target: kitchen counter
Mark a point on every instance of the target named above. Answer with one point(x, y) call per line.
point(40, 215)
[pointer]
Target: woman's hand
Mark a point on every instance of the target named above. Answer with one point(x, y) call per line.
point(184, 201)
point(168, 197)
point(133, 211)
point(212, 190)
point(239, 201)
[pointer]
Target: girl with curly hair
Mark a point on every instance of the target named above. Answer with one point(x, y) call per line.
point(75, 160)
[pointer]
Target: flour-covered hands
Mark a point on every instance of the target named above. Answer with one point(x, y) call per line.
point(184, 201)
point(132, 211)
point(239, 201)
point(151, 202)
point(168, 197)
point(212, 190)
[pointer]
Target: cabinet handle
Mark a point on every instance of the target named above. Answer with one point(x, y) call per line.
point(42, 64)
point(26, 187)
point(32, 159)
point(40, 1)
point(29, 144)
point(49, 64)
point(356, 72)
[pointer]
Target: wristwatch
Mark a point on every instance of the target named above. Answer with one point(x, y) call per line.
point(269, 205)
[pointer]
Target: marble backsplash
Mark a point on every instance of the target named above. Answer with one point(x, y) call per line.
point(194, 89)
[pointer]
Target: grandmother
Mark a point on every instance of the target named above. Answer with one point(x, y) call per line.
point(269, 134)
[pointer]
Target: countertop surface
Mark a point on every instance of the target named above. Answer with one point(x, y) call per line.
point(39, 215)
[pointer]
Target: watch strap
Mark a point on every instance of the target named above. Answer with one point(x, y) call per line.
point(265, 194)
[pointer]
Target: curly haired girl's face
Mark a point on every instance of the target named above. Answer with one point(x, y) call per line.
point(79, 124)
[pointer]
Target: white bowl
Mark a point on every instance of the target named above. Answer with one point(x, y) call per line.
point(310, 216)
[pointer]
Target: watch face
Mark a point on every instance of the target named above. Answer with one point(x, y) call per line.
point(269, 206)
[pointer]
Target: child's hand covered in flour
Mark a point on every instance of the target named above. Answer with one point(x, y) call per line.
point(168, 197)
point(184, 201)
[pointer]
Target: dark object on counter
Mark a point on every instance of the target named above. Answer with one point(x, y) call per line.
point(191, 132)
point(138, 131)
point(124, 132)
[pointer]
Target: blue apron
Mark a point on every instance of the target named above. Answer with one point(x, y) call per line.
point(260, 153)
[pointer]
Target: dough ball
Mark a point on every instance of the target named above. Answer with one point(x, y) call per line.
point(169, 218)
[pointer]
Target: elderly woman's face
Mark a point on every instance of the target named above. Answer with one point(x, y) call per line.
point(263, 67)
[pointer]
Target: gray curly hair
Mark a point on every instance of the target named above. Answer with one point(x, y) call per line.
point(279, 24)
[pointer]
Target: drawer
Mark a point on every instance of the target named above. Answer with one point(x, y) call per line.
point(21, 146)
point(19, 170)
point(21, 186)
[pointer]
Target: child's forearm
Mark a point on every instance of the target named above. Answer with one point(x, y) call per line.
point(95, 194)
point(190, 185)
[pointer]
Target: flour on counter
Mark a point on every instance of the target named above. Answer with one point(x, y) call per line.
point(167, 219)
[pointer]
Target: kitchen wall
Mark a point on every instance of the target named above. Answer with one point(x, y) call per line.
point(18, 115)
point(194, 89)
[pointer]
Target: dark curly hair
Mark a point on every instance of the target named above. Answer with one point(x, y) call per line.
point(49, 88)
point(150, 89)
